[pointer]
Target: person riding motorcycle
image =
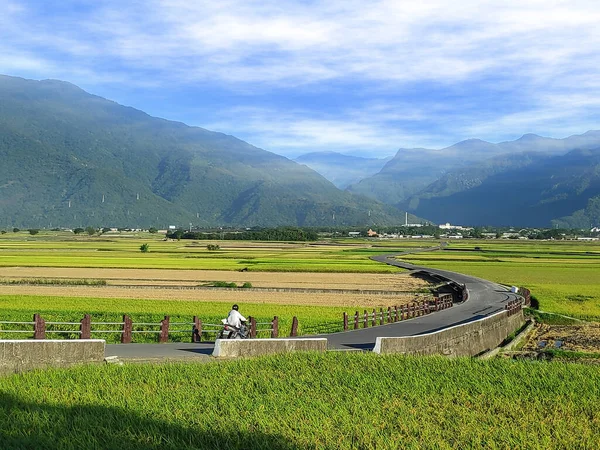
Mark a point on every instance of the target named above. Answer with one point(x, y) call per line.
point(236, 320)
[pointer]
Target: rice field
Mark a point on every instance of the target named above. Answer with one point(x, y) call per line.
point(105, 252)
point(324, 401)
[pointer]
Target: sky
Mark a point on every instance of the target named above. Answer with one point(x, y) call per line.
point(357, 77)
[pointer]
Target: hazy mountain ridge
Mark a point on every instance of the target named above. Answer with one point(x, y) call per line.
point(71, 158)
point(342, 170)
point(413, 170)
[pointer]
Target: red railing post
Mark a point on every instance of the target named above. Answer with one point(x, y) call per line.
point(294, 331)
point(345, 321)
point(252, 327)
point(127, 328)
point(356, 320)
point(39, 327)
point(86, 327)
point(196, 330)
point(164, 330)
point(275, 327)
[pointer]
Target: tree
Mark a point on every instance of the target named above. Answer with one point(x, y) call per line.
point(152, 230)
point(33, 231)
point(16, 230)
point(90, 230)
point(144, 248)
point(78, 230)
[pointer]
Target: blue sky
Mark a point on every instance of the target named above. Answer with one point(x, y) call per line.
point(358, 77)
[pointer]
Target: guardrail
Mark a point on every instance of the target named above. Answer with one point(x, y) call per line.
point(40, 328)
point(381, 317)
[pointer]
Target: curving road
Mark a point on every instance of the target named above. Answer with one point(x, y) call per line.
point(485, 298)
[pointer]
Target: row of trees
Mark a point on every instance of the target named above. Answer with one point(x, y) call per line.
point(267, 234)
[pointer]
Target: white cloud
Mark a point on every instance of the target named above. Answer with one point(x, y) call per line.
point(544, 54)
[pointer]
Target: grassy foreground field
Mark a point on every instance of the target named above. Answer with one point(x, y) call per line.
point(335, 400)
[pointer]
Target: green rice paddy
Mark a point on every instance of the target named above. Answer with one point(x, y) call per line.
point(298, 401)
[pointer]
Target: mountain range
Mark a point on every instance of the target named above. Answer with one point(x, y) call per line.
point(532, 181)
point(70, 158)
point(342, 170)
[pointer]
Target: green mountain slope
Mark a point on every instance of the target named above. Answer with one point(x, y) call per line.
point(74, 159)
point(413, 170)
point(518, 190)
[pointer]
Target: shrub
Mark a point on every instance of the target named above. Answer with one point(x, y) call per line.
point(144, 248)
point(16, 230)
point(247, 285)
point(212, 247)
point(33, 231)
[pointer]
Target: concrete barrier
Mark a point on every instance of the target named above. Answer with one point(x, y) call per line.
point(469, 339)
point(22, 355)
point(233, 348)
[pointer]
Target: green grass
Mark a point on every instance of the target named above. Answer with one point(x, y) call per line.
point(124, 253)
point(71, 309)
point(327, 401)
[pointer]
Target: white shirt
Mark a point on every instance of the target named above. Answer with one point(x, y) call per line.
point(235, 319)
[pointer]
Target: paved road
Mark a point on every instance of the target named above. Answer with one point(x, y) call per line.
point(485, 298)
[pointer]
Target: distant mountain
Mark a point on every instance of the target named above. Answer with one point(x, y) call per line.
point(412, 170)
point(74, 159)
point(523, 189)
point(342, 170)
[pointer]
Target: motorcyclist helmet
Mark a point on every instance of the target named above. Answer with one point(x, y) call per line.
point(235, 307)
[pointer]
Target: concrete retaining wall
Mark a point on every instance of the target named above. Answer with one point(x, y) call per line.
point(469, 339)
point(21, 355)
point(233, 348)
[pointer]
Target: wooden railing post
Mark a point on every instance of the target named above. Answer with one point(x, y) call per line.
point(373, 319)
point(389, 314)
point(127, 328)
point(345, 321)
point(356, 320)
point(164, 330)
point(86, 327)
point(396, 318)
point(275, 327)
point(366, 324)
point(39, 327)
point(252, 327)
point(381, 321)
point(294, 331)
point(196, 330)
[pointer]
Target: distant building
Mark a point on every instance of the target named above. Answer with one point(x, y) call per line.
point(354, 234)
point(448, 226)
point(372, 233)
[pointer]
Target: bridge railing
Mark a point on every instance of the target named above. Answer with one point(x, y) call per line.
point(39, 328)
point(374, 318)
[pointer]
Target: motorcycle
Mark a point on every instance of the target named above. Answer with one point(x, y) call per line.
point(231, 332)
